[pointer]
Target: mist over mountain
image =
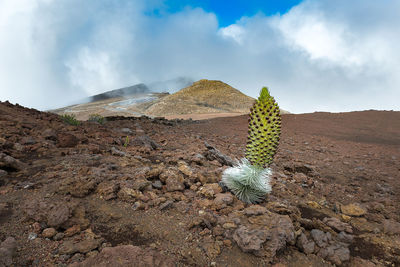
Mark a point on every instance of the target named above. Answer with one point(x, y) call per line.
point(122, 92)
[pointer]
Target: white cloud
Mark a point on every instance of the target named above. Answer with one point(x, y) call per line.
point(233, 31)
point(318, 56)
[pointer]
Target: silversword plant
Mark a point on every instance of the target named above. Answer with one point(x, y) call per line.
point(249, 180)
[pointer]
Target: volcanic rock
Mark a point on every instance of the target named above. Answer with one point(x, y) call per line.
point(353, 210)
point(8, 248)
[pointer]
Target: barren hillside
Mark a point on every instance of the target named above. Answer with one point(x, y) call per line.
point(201, 97)
point(144, 192)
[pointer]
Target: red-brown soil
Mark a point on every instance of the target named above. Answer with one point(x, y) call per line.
point(144, 192)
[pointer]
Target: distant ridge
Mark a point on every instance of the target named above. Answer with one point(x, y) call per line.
point(203, 96)
point(122, 92)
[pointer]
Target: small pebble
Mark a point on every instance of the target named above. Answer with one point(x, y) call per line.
point(32, 236)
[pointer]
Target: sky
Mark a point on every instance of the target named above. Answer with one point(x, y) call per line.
point(314, 55)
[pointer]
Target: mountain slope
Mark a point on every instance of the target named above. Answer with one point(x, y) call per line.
point(203, 96)
point(122, 92)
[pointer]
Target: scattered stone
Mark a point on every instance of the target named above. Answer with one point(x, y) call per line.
point(126, 131)
point(338, 225)
point(72, 230)
point(212, 249)
point(391, 227)
point(78, 257)
point(250, 240)
point(157, 184)
point(210, 190)
point(313, 204)
point(169, 172)
point(32, 236)
point(28, 140)
point(196, 221)
point(8, 249)
point(345, 218)
point(320, 238)
point(107, 190)
point(126, 193)
point(70, 247)
point(49, 232)
point(336, 253)
point(154, 172)
point(184, 168)
point(117, 152)
point(362, 225)
point(140, 184)
point(345, 238)
point(255, 210)
point(9, 162)
point(3, 173)
point(92, 253)
point(166, 205)
point(145, 141)
point(36, 227)
point(55, 213)
point(222, 200)
point(273, 231)
point(229, 225)
point(59, 236)
point(67, 140)
point(78, 186)
point(359, 262)
point(282, 208)
point(300, 177)
point(214, 154)
point(175, 183)
point(305, 245)
point(353, 209)
point(227, 243)
point(138, 205)
point(49, 134)
point(126, 255)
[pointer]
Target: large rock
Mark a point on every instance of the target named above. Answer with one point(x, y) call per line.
point(56, 213)
point(305, 245)
point(126, 255)
point(250, 240)
point(9, 162)
point(78, 186)
point(7, 251)
point(329, 249)
point(266, 235)
point(353, 209)
point(145, 141)
point(223, 199)
point(53, 214)
point(214, 154)
point(173, 179)
point(255, 210)
point(67, 140)
point(71, 247)
point(107, 190)
point(338, 225)
point(391, 227)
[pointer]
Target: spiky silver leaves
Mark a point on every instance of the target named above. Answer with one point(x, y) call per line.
point(248, 182)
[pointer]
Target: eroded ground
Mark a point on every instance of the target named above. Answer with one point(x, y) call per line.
point(144, 192)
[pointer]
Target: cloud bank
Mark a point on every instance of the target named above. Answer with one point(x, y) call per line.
point(319, 56)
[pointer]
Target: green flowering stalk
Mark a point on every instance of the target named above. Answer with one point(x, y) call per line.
point(249, 179)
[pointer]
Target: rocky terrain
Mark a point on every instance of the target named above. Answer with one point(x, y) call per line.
point(144, 192)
